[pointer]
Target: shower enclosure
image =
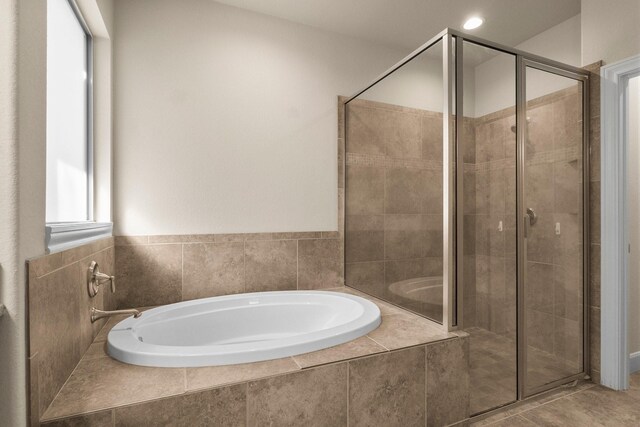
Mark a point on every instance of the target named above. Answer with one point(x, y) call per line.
point(466, 201)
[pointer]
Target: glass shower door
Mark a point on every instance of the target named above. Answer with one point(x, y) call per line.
point(553, 212)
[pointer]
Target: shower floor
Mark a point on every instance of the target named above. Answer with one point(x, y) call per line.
point(493, 369)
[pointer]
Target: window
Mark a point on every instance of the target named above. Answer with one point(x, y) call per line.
point(69, 188)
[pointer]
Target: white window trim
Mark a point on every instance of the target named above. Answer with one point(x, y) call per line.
point(66, 235)
point(615, 360)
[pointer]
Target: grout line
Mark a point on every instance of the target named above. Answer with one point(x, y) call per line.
point(182, 274)
point(297, 265)
point(378, 343)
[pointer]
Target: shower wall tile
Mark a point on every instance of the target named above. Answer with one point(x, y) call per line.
point(365, 129)
point(212, 269)
point(405, 191)
point(404, 236)
point(277, 400)
point(364, 238)
point(148, 274)
point(369, 277)
point(433, 192)
point(365, 189)
point(431, 127)
point(388, 389)
point(271, 265)
point(396, 271)
point(540, 287)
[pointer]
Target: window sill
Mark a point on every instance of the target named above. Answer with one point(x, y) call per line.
point(66, 235)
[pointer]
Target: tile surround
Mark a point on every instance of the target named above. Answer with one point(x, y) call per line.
point(179, 268)
point(59, 327)
point(309, 389)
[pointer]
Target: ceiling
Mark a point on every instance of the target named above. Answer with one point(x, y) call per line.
point(406, 24)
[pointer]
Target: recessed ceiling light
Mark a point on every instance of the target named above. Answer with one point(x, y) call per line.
point(473, 23)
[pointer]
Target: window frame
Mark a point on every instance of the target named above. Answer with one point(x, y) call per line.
point(67, 234)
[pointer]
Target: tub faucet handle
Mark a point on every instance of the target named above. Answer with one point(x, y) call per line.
point(95, 278)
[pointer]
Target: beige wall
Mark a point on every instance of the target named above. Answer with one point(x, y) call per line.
point(633, 192)
point(610, 30)
point(225, 119)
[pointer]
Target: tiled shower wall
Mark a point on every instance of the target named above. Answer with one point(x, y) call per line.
point(554, 180)
point(393, 220)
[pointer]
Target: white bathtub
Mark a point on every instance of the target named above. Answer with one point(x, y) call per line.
point(241, 328)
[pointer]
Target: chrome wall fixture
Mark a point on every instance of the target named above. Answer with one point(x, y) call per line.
point(453, 176)
point(95, 279)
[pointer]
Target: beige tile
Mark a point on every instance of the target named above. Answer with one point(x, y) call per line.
point(131, 240)
point(388, 389)
point(80, 394)
point(540, 187)
point(540, 327)
point(215, 376)
point(44, 264)
point(97, 419)
point(362, 346)
point(364, 238)
point(148, 275)
point(212, 269)
point(540, 287)
point(403, 330)
point(431, 128)
point(55, 329)
point(364, 190)
point(96, 350)
point(313, 397)
point(366, 276)
point(404, 237)
point(447, 381)
point(540, 129)
point(365, 129)
point(405, 191)
point(271, 265)
point(399, 270)
point(76, 254)
point(320, 263)
point(433, 238)
point(220, 407)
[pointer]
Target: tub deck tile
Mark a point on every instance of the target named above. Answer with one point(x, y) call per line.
point(214, 376)
point(100, 382)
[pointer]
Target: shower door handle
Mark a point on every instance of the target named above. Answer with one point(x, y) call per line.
point(529, 221)
point(533, 218)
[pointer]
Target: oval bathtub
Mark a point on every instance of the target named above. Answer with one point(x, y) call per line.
point(241, 328)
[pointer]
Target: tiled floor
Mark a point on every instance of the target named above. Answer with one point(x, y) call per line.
point(493, 369)
point(581, 406)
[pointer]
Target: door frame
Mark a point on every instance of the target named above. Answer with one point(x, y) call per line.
point(615, 362)
point(521, 131)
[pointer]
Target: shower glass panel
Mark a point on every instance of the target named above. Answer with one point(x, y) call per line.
point(489, 282)
point(554, 217)
point(394, 186)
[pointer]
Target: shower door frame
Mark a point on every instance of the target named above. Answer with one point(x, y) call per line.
point(524, 60)
point(453, 76)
